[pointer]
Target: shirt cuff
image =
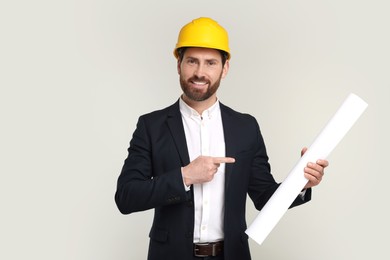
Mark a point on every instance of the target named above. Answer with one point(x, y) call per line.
point(302, 194)
point(187, 188)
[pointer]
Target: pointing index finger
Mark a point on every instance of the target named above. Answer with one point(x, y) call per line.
point(223, 160)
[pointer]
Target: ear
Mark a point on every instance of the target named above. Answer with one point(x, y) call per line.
point(178, 66)
point(225, 69)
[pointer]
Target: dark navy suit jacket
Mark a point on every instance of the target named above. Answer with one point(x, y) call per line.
point(151, 179)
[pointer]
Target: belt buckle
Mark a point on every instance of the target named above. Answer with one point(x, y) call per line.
point(197, 249)
point(213, 252)
point(213, 249)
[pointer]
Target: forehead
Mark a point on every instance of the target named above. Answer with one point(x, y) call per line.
point(202, 53)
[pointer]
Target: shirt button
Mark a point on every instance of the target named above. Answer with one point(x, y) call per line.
point(203, 227)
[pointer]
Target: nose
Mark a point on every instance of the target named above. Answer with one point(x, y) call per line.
point(200, 71)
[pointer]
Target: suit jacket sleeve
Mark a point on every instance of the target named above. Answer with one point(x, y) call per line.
point(144, 184)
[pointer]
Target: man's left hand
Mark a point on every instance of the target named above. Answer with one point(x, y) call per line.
point(314, 171)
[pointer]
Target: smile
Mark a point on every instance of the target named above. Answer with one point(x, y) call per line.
point(199, 83)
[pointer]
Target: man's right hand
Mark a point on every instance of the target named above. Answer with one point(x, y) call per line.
point(203, 169)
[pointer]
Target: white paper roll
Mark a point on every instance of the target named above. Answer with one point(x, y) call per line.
point(348, 113)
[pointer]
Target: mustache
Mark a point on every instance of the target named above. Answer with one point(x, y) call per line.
point(196, 78)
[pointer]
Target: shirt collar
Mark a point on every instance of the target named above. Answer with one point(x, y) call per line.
point(186, 110)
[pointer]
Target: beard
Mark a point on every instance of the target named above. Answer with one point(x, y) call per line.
point(195, 94)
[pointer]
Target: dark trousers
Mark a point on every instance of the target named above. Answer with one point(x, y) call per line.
point(218, 257)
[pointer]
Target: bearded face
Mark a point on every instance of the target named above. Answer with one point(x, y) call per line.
point(201, 71)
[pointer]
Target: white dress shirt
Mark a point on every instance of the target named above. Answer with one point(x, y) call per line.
point(204, 136)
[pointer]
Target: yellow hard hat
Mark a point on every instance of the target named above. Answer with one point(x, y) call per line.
point(203, 32)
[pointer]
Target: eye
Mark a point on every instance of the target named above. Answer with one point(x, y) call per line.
point(212, 62)
point(191, 61)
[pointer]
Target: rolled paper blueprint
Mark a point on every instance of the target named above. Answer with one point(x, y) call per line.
point(348, 113)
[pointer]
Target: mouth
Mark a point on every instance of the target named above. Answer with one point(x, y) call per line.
point(199, 83)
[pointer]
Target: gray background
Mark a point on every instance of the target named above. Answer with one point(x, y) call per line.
point(75, 76)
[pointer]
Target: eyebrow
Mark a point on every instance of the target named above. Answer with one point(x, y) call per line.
point(208, 60)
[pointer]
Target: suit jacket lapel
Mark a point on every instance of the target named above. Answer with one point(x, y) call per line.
point(175, 125)
point(229, 129)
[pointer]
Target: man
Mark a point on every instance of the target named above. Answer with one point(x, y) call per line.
point(195, 161)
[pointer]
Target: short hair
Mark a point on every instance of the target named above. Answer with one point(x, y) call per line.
point(182, 50)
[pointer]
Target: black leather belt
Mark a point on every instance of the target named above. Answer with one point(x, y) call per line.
point(208, 249)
